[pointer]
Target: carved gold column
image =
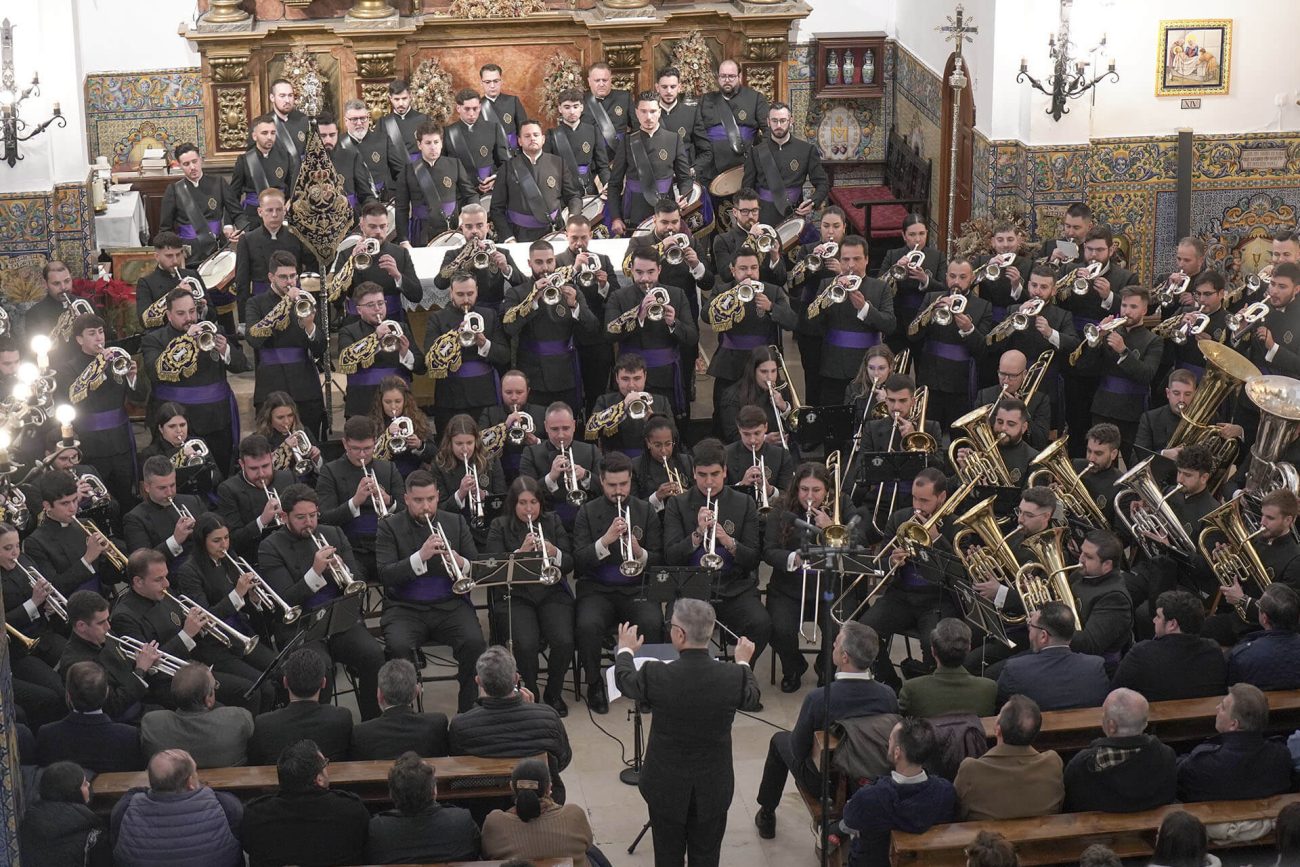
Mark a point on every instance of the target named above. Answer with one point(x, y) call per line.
point(624, 59)
point(231, 92)
point(371, 10)
point(375, 69)
point(763, 63)
point(225, 12)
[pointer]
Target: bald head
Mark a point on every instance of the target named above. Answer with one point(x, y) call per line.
point(1013, 361)
point(172, 771)
point(1124, 713)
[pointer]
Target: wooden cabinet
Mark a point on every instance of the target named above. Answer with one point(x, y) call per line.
point(849, 65)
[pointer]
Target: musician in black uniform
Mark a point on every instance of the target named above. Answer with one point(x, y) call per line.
point(100, 397)
point(1053, 328)
point(727, 123)
point(1075, 225)
point(915, 597)
point(65, 554)
point(260, 167)
point(611, 554)
point(193, 377)
point(467, 475)
point(496, 422)
point(649, 164)
point(383, 157)
point(30, 608)
point(611, 423)
point(146, 614)
point(249, 501)
point(1102, 462)
point(1156, 427)
point(349, 163)
point(503, 109)
point(287, 345)
point(534, 187)
point(169, 270)
point(392, 268)
point(89, 625)
point(1010, 423)
point(479, 145)
point(1279, 553)
point(44, 315)
point(256, 247)
point(675, 113)
point(778, 167)
point(355, 490)
point(420, 604)
point(732, 526)
point(431, 190)
point(290, 123)
point(1125, 360)
point(727, 245)
point(889, 434)
point(1101, 600)
point(158, 524)
point(469, 376)
point(1012, 371)
point(658, 340)
point(545, 334)
point(362, 358)
point(537, 610)
point(492, 281)
point(307, 576)
point(744, 455)
point(910, 288)
point(948, 353)
point(400, 124)
point(804, 283)
point(558, 473)
point(196, 207)
point(1271, 344)
point(1189, 262)
point(1208, 290)
point(609, 109)
point(594, 352)
point(577, 142)
point(1007, 289)
point(650, 471)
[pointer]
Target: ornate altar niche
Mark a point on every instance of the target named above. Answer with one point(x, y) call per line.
point(358, 58)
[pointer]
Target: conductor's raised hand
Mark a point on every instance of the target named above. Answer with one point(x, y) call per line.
point(629, 637)
point(744, 650)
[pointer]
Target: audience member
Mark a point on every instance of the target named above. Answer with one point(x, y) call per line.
point(1270, 659)
point(305, 823)
point(537, 826)
point(1126, 770)
point(215, 737)
point(1098, 855)
point(906, 800)
point(1242, 764)
point(1286, 834)
point(1053, 675)
point(418, 828)
point(86, 735)
point(854, 694)
point(176, 820)
point(1012, 780)
point(1182, 842)
point(304, 717)
point(398, 728)
point(951, 689)
point(1178, 662)
point(60, 829)
point(508, 722)
point(991, 849)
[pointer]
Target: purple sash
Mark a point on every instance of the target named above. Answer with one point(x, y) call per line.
point(999, 313)
point(286, 355)
point(1123, 385)
point(743, 342)
point(528, 221)
point(584, 169)
point(415, 157)
point(483, 171)
point(632, 452)
point(472, 368)
point(326, 594)
point(249, 200)
point(609, 575)
point(846, 339)
point(363, 525)
point(792, 194)
point(718, 133)
point(425, 588)
point(375, 375)
point(93, 583)
point(632, 190)
point(955, 352)
point(107, 420)
point(186, 232)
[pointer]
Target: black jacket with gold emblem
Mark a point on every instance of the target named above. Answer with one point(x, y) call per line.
point(1016, 459)
point(358, 186)
point(481, 149)
point(477, 382)
point(1188, 354)
point(545, 337)
point(998, 292)
point(679, 275)
point(101, 423)
point(205, 393)
point(211, 198)
point(403, 126)
point(246, 184)
point(849, 335)
point(290, 135)
point(537, 462)
point(600, 574)
point(150, 525)
point(286, 357)
point(511, 214)
point(796, 162)
point(714, 152)
point(666, 154)
point(681, 120)
point(409, 288)
point(595, 295)
point(154, 285)
point(1125, 380)
point(738, 340)
point(419, 218)
point(945, 359)
point(253, 258)
point(1100, 485)
point(590, 156)
point(738, 517)
point(616, 108)
point(382, 158)
point(1087, 308)
point(364, 381)
point(629, 436)
point(491, 282)
point(507, 111)
point(1284, 324)
point(145, 620)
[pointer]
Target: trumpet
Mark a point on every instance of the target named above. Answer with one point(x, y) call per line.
point(273, 496)
point(54, 600)
point(481, 258)
point(205, 337)
point(182, 511)
point(1018, 321)
point(475, 494)
point(673, 248)
point(631, 566)
point(118, 361)
point(747, 289)
point(550, 572)
point(28, 643)
point(760, 487)
point(218, 630)
point(339, 572)
point(112, 552)
point(764, 238)
point(261, 594)
point(711, 560)
point(993, 269)
point(1241, 324)
point(376, 495)
point(470, 328)
point(821, 254)
point(390, 335)
point(398, 430)
point(365, 252)
point(523, 426)
point(914, 259)
point(674, 476)
point(460, 582)
point(659, 299)
point(127, 648)
point(573, 491)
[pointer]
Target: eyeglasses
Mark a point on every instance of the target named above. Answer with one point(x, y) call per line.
point(373, 305)
point(745, 210)
point(1026, 513)
point(1002, 374)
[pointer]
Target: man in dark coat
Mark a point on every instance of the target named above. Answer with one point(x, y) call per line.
point(648, 164)
point(431, 190)
point(383, 157)
point(1241, 764)
point(534, 187)
point(399, 728)
point(609, 109)
point(86, 735)
point(358, 186)
point(1178, 662)
point(779, 166)
point(1270, 659)
point(195, 207)
point(262, 166)
point(303, 717)
point(505, 110)
point(687, 777)
point(478, 144)
point(1126, 770)
point(727, 123)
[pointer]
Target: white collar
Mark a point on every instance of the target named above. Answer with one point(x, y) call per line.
point(908, 781)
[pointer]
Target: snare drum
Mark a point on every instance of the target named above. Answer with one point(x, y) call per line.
point(728, 183)
point(694, 200)
point(593, 208)
point(647, 226)
point(218, 270)
point(790, 231)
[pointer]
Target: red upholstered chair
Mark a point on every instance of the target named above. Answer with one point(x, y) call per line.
point(877, 212)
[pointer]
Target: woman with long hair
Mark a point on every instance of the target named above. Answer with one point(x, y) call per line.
point(536, 826)
point(467, 476)
point(877, 364)
point(1182, 842)
point(276, 419)
point(197, 473)
point(911, 287)
point(761, 384)
point(536, 610)
point(393, 400)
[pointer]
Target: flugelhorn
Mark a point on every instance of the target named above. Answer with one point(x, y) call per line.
point(118, 360)
point(746, 290)
point(205, 336)
point(481, 258)
point(914, 259)
point(673, 248)
point(657, 306)
point(524, 425)
point(304, 305)
point(764, 238)
point(192, 453)
point(941, 310)
point(213, 627)
point(821, 254)
point(993, 269)
point(261, 594)
point(398, 430)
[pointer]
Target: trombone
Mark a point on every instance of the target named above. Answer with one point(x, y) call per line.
point(813, 636)
point(631, 566)
point(57, 602)
point(795, 404)
point(114, 554)
point(220, 631)
point(340, 574)
point(550, 574)
point(262, 595)
point(674, 476)
point(127, 648)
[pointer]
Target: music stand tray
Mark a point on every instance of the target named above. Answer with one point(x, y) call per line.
point(874, 467)
point(818, 425)
point(669, 583)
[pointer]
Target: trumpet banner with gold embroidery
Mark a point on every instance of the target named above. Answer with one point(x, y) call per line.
point(319, 213)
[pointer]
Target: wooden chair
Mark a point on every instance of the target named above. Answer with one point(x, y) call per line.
point(877, 212)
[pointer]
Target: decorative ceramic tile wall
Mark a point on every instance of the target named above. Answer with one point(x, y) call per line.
point(37, 227)
point(127, 112)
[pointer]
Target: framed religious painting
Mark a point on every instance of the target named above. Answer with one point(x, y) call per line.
point(1195, 57)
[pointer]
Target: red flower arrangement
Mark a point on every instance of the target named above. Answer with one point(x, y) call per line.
point(115, 298)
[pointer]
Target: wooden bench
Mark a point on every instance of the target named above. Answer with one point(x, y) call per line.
point(1180, 721)
point(1061, 839)
point(458, 777)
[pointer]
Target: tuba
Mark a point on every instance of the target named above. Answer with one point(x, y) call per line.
point(1226, 372)
point(1278, 400)
point(1051, 467)
point(1153, 515)
point(1048, 550)
point(992, 559)
point(1236, 562)
point(985, 466)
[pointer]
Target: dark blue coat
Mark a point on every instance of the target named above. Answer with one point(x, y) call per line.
point(1268, 660)
point(93, 741)
point(1241, 765)
point(1055, 677)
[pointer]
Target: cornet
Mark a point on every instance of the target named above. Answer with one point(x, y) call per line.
point(261, 594)
point(127, 647)
point(470, 328)
point(54, 600)
point(585, 274)
point(655, 309)
point(764, 237)
point(218, 630)
point(390, 335)
point(483, 252)
point(365, 252)
point(914, 259)
point(993, 270)
point(945, 312)
point(638, 407)
point(821, 254)
point(205, 336)
point(118, 360)
point(339, 572)
point(304, 305)
point(551, 289)
point(747, 289)
point(630, 567)
point(398, 430)
point(550, 572)
point(300, 448)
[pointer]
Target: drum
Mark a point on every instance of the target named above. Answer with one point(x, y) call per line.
point(593, 208)
point(698, 213)
point(647, 226)
point(555, 236)
point(728, 183)
point(392, 222)
point(790, 231)
point(448, 239)
point(218, 270)
point(694, 200)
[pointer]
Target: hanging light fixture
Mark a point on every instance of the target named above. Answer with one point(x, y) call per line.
point(11, 125)
point(1069, 76)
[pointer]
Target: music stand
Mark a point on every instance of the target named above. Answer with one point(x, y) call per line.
point(507, 570)
point(1005, 498)
point(823, 425)
point(319, 625)
point(667, 584)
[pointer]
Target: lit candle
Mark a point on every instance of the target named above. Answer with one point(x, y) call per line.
point(1078, 67)
point(65, 414)
point(56, 109)
point(1024, 64)
point(1112, 64)
point(41, 346)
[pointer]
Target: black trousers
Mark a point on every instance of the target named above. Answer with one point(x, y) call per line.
point(356, 648)
point(1077, 408)
point(787, 617)
point(810, 353)
point(598, 612)
point(744, 615)
point(898, 610)
point(696, 842)
point(38, 689)
point(832, 392)
point(451, 622)
point(780, 763)
point(530, 620)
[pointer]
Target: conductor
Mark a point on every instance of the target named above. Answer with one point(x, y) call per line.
point(687, 777)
